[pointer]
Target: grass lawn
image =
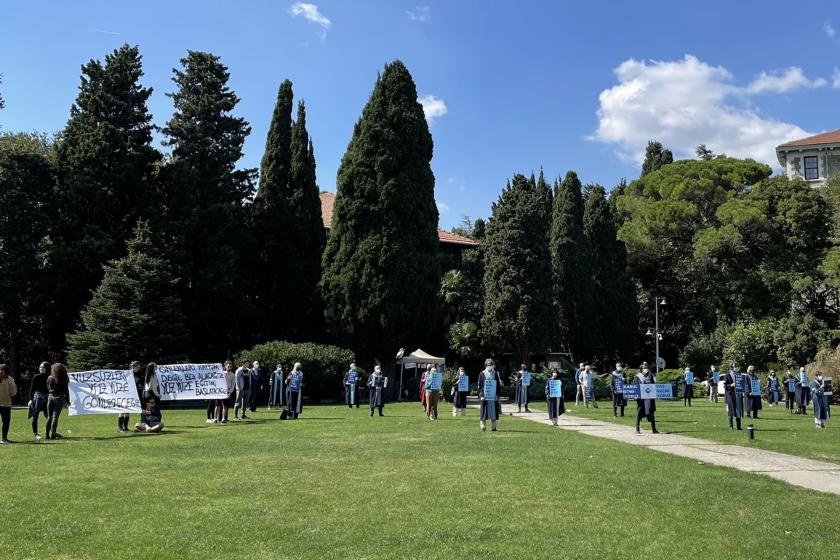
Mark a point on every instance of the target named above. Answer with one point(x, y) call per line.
point(338, 484)
point(776, 429)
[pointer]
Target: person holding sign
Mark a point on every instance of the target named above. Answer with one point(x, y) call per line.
point(587, 381)
point(645, 407)
point(523, 380)
point(275, 387)
point(489, 383)
point(803, 392)
point(714, 379)
point(733, 389)
point(578, 386)
point(58, 393)
point(822, 411)
point(617, 388)
point(8, 389)
point(295, 397)
point(460, 391)
point(688, 386)
point(150, 422)
point(243, 390)
point(351, 387)
point(789, 383)
point(433, 385)
point(377, 383)
point(137, 376)
point(773, 392)
point(554, 397)
point(223, 405)
point(753, 391)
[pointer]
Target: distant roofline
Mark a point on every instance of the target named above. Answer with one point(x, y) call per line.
point(825, 139)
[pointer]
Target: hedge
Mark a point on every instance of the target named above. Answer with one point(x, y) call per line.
point(323, 365)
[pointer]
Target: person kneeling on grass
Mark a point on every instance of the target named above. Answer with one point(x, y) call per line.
point(150, 422)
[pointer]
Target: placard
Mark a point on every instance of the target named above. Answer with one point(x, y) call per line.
point(618, 386)
point(436, 381)
point(715, 377)
point(103, 391)
point(689, 378)
point(664, 391)
point(827, 387)
point(740, 383)
point(463, 383)
point(353, 377)
point(555, 388)
point(183, 382)
point(489, 389)
point(791, 386)
point(589, 392)
point(295, 382)
point(526, 378)
point(756, 387)
point(631, 391)
point(647, 390)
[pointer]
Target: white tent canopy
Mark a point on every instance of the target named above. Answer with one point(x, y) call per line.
point(421, 357)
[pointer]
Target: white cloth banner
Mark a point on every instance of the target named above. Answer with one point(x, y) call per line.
point(103, 391)
point(183, 382)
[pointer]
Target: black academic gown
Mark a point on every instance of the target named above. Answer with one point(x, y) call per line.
point(556, 405)
point(521, 396)
point(376, 384)
point(351, 389)
point(460, 397)
point(821, 406)
point(773, 393)
point(734, 401)
point(617, 397)
point(646, 406)
point(752, 400)
point(489, 409)
point(803, 393)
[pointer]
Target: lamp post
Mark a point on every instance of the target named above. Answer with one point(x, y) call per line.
point(656, 334)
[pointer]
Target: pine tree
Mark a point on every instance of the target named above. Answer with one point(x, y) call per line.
point(134, 313)
point(655, 157)
point(205, 220)
point(381, 270)
point(569, 264)
point(517, 282)
point(105, 172)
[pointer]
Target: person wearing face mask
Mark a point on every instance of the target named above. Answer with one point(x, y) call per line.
point(803, 392)
point(351, 387)
point(587, 381)
point(276, 388)
point(645, 408)
point(578, 386)
point(294, 382)
point(688, 386)
point(617, 387)
point(714, 377)
point(753, 399)
point(822, 411)
point(734, 399)
point(790, 391)
point(459, 402)
point(38, 397)
point(773, 392)
point(523, 381)
point(490, 407)
point(432, 394)
point(556, 406)
point(376, 383)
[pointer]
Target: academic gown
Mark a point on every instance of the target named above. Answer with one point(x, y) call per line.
point(803, 392)
point(460, 397)
point(752, 401)
point(688, 389)
point(647, 406)
point(822, 410)
point(618, 397)
point(556, 405)
point(376, 383)
point(293, 393)
point(734, 402)
point(489, 409)
point(277, 392)
point(351, 388)
point(521, 397)
point(773, 393)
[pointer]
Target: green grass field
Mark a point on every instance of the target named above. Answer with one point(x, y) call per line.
point(775, 429)
point(338, 484)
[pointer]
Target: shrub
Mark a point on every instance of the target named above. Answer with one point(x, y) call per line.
point(323, 365)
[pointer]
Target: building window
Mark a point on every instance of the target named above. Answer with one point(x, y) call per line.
point(812, 170)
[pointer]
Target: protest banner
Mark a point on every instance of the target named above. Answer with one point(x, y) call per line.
point(647, 390)
point(664, 391)
point(631, 391)
point(184, 382)
point(715, 378)
point(103, 391)
point(619, 385)
point(588, 392)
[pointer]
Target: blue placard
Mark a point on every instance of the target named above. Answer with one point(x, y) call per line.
point(689, 378)
point(664, 391)
point(526, 378)
point(555, 388)
point(619, 385)
point(715, 377)
point(295, 381)
point(791, 385)
point(463, 383)
point(489, 389)
point(756, 387)
point(589, 392)
point(631, 391)
point(740, 383)
point(437, 381)
point(353, 378)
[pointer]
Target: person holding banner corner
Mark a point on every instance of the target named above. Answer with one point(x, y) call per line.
point(460, 391)
point(223, 405)
point(489, 383)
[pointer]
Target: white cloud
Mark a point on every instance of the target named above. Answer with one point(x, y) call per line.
point(423, 14)
point(433, 107)
point(442, 208)
point(789, 80)
point(828, 29)
point(310, 12)
point(835, 78)
point(684, 103)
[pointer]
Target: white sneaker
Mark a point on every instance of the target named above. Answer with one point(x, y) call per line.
point(210, 421)
point(4, 442)
point(37, 438)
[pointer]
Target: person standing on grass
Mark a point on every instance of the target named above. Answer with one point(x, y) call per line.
point(151, 388)
point(256, 386)
point(459, 402)
point(753, 398)
point(275, 387)
point(432, 394)
point(58, 393)
point(803, 391)
point(617, 387)
point(423, 389)
point(645, 408)
point(688, 386)
point(522, 383)
point(243, 390)
point(822, 410)
point(376, 385)
point(295, 387)
point(8, 390)
point(490, 407)
point(587, 380)
point(150, 421)
point(734, 400)
point(578, 387)
point(773, 392)
point(790, 391)
point(38, 397)
point(351, 387)
point(714, 378)
point(556, 406)
point(223, 405)
point(123, 417)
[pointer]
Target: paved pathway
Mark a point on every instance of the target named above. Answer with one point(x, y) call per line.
point(808, 473)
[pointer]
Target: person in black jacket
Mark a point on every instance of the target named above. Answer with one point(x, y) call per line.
point(38, 397)
point(139, 382)
point(58, 393)
point(645, 408)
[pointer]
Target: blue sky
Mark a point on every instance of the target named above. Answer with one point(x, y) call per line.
point(562, 85)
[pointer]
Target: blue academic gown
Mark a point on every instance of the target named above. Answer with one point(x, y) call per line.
point(734, 401)
point(489, 409)
point(773, 393)
point(822, 410)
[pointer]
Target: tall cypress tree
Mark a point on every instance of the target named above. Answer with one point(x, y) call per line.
point(105, 170)
point(134, 313)
point(517, 282)
point(569, 264)
point(656, 155)
point(205, 221)
point(381, 270)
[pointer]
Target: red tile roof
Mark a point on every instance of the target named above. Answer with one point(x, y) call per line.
point(328, 201)
point(824, 138)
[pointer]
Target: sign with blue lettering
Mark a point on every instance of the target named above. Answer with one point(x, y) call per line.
point(618, 384)
point(463, 383)
point(689, 378)
point(740, 383)
point(437, 381)
point(715, 377)
point(756, 387)
point(555, 388)
point(489, 389)
point(296, 381)
point(589, 392)
point(647, 390)
point(353, 378)
point(664, 391)
point(526, 378)
point(631, 391)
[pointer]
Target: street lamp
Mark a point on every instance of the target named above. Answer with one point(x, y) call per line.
point(656, 333)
